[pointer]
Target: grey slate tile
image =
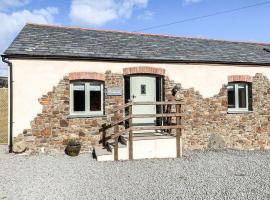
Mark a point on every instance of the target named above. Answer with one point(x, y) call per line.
point(45, 40)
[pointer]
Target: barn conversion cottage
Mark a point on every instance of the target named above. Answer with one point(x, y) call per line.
point(67, 81)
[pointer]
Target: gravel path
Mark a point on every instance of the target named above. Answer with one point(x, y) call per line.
point(198, 175)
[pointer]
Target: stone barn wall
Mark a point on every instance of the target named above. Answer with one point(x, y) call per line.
point(206, 119)
point(51, 129)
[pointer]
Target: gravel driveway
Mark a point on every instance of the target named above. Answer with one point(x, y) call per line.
point(198, 175)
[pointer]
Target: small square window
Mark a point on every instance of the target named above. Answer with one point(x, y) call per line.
point(239, 97)
point(86, 98)
point(143, 89)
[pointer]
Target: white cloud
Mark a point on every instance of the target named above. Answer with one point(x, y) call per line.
point(4, 4)
point(12, 23)
point(99, 12)
point(191, 1)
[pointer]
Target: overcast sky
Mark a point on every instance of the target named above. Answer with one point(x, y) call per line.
point(251, 24)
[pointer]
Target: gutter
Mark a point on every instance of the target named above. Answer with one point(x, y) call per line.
point(10, 86)
point(138, 60)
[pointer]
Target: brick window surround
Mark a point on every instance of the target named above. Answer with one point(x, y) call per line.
point(239, 78)
point(86, 76)
point(143, 70)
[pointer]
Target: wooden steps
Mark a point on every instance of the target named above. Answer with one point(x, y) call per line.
point(144, 147)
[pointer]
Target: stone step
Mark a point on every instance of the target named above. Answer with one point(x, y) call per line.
point(100, 151)
point(119, 145)
point(151, 147)
point(102, 154)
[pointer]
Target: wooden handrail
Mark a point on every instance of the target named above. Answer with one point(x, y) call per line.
point(122, 107)
point(137, 128)
point(157, 115)
point(143, 115)
point(118, 119)
point(115, 123)
point(140, 116)
point(157, 103)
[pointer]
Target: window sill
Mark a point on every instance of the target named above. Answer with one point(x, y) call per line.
point(239, 112)
point(85, 116)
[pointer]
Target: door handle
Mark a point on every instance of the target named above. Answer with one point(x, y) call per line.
point(133, 96)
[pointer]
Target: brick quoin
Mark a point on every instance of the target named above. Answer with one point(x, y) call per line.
point(86, 76)
point(144, 70)
point(241, 78)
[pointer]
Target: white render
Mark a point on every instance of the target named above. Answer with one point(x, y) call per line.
point(144, 149)
point(34, 78)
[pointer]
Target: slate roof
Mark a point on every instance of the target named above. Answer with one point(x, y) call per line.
point(54, 41)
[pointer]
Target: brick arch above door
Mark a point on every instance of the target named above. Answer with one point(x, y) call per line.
point(144, 70)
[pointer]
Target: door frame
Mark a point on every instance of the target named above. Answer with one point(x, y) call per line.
point(160, 93)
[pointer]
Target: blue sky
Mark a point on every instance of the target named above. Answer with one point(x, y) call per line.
point(251, 24)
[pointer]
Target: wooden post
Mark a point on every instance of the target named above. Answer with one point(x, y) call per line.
point(178, 133)
point(116, 149)
point(116, 131)
point(181, 145)
point(130, 136)
point(103, 134)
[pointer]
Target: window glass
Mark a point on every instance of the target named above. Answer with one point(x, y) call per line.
point(143, 89)
point(95, 86)
point(95, 100)
point(86, 98)
point(95, 96)
point(79, 97)
point(231, 96)
point(242, 100)
point(239, 97)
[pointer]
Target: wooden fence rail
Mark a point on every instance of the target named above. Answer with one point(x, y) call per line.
point(122, 117)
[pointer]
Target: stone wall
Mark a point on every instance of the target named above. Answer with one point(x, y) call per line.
point(51, 129)
point(205, 118)
point(113, 80)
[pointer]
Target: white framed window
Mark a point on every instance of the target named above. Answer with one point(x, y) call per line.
point(239, 97)
point(86, 98)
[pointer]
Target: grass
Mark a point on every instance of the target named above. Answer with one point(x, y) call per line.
point(3, 115)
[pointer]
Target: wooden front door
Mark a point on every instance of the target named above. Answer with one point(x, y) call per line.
point(143, 88)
